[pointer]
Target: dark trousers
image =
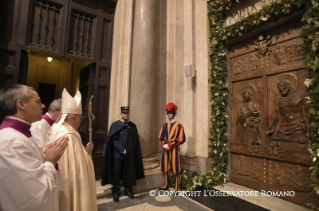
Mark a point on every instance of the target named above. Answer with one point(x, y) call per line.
point(118, 175)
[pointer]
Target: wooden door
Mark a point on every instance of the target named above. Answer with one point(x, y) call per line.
point(269, 123)
point(13, 68)
point(95, 81)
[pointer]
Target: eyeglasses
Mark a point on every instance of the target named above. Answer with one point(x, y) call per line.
point(82, 117)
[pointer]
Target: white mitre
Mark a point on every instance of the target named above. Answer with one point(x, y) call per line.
point(70, 105)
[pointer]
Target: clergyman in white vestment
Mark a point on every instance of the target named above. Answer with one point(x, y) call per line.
point(28, 181)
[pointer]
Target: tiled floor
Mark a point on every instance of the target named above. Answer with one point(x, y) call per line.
point(144, 201)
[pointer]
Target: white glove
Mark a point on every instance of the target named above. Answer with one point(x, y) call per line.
point(124, 152)
point(166, 147)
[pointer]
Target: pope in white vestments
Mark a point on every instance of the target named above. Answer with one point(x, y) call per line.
point(76, 164)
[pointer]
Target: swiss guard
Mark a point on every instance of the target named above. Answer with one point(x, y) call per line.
point(123, 158)
point(171, 136)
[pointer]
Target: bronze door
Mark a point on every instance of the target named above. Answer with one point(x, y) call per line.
point(269, 145)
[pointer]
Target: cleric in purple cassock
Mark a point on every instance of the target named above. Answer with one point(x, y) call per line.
point(123, 159)
point(28, 180)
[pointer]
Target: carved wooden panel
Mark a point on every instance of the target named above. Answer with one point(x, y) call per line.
point(268, 53)
point(86, 79)
point(107, 6)
point(294, 124)
point(101, 86)
point(248, 167)
point(269, 113)
point(290, 176)
point(7, 62)
point(45, 23)
point(106, 40)
point(6, 8)
point(81, 37)
point(249, 111)
point(95, 80)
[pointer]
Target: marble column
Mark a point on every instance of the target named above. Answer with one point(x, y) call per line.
point(143, 77)
point(121, 59)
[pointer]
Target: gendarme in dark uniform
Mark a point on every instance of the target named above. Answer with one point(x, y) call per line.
point(122, 160)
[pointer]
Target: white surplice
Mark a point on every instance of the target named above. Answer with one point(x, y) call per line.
point(39, 131)
point(27, 183)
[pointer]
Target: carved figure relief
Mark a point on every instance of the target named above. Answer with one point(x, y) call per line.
point(239, 66)
point(289, 53)
point(300, 51)
point(279, 56)
point(295, 178)
point(290, 108)
point(248, 168)
point(269, 124)
point(248, 118)
point(252, 62)
point(295, 52)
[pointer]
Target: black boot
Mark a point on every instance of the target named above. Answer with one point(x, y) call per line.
point(116, 197)
point(129, 194)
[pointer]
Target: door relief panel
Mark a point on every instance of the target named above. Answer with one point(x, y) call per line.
point(269, 145)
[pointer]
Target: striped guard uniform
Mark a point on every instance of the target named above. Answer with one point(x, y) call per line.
point(172, 134)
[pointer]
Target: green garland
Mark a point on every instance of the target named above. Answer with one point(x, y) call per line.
point(219, 34)
point(310, 35)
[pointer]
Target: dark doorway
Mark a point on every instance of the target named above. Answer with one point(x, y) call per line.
point(46, 93)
